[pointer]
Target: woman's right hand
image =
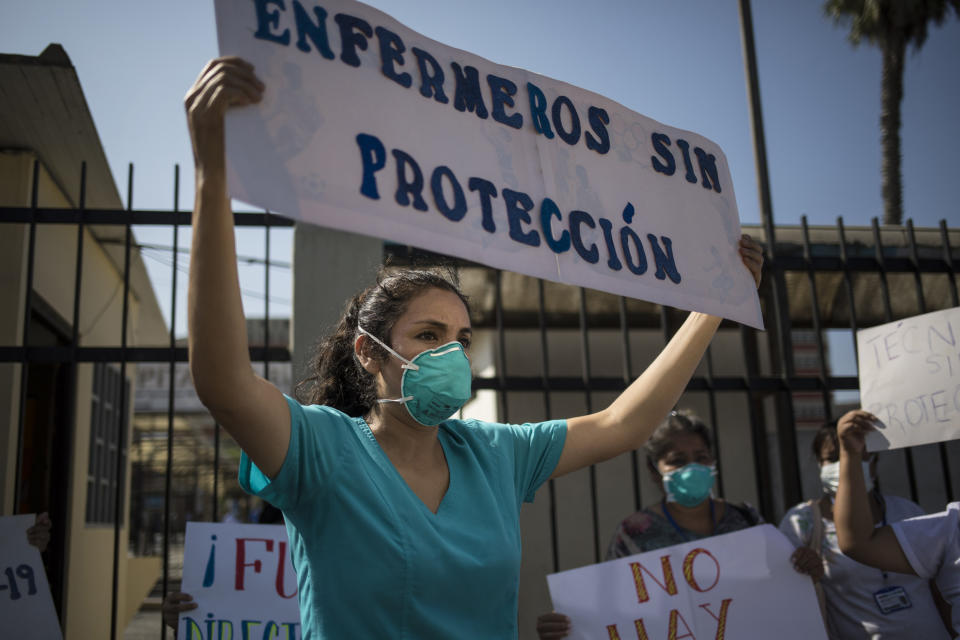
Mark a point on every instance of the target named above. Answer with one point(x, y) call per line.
point(553, 625)
point(807, 561)
point(852, 429)
point(223, 83)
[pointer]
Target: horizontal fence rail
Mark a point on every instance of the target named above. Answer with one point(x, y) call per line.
point(792, 293)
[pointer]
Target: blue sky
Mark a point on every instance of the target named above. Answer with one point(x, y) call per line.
point(677, 62)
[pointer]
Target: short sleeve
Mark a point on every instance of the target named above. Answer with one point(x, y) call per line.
point(316, 433)
point(617, 547)
point(536, 451)
point(927, 540)
point(797, 525)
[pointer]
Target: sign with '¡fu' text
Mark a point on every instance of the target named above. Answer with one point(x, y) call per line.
point(910, 379)
point(733, 586)
point(242, 579)
point(369, 127)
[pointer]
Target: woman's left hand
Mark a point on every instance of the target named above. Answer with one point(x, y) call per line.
point(39, 534)
point(807, 561)
point(752, 255)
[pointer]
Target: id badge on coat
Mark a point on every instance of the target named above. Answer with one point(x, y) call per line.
point(890, 599)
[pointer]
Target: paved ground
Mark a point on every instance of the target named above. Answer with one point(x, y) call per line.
point(145, 626)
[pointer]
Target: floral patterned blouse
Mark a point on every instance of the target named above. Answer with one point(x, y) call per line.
point(647, 529)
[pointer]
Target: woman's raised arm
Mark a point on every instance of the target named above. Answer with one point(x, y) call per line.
point(856, 535)
point(251, 409)
point(631, 418)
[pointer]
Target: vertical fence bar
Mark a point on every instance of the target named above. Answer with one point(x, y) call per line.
point(588, 397)
point(266, 297)
point(951, 271)
point(915, 261)
point(501, 354)
point(848, 285)
point(758, 434)
point(786, 432)
point(171, 396)
point(888, 317)
point(71, 409)
point(27, 313)
point(627, 380)
point(922, 302)
point(124, 408)
point(216, 472)
point(548, 411)
point(78, 276)
point(714, 426)
point(785, 419)
point(948, 260)
point(815, 316)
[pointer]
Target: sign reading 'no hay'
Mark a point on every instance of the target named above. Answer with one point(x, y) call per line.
point(369, 127)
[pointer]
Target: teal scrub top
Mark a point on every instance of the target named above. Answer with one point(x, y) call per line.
point(372, 560)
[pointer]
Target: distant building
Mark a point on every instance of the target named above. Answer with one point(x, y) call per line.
point(197, 492)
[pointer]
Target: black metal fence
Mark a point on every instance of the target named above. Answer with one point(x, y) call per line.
point(815, 284)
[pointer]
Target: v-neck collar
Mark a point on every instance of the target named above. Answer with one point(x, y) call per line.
point(383, 460)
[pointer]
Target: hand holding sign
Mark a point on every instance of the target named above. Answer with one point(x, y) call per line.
point(25, 602)
point(223, 83)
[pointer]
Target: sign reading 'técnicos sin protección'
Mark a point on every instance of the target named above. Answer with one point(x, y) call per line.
point(910, 379)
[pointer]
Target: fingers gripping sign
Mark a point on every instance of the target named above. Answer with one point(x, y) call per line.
point(224, 82)
point(807, 561)
point(752, 255)
point(174, 604)
point(852, 429)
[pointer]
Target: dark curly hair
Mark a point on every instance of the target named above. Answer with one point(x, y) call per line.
point(826, 433)
point(335, 377)
point(677, 422)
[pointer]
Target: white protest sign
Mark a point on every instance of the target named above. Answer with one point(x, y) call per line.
point(25, 602)
point(370, 127)
point(910, 379)
point(242, 580)
point(733, 586)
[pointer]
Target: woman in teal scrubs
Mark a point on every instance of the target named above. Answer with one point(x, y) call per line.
point(402, 522)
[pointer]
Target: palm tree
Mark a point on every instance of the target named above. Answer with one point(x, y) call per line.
point(891, 25)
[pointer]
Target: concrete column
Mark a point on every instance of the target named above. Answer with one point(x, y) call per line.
point(329, 267)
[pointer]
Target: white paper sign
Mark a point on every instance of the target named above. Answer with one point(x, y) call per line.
point(910, 379)
point(733, 586)
point(26, 607)
point(242, 580)
point(369, 127)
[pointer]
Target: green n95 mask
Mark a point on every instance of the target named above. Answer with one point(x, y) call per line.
point(435, 384)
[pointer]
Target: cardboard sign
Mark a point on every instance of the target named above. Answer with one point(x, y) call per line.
point(369, 127)
point(242, 580)
point(910, 379)
point(732, 586)
point(26, 607)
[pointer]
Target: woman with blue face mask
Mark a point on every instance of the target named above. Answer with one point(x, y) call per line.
point(681, 462)
point(859, 601)
point(403, 519)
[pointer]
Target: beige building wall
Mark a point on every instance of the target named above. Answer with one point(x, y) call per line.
point(16, 177)
point(89, 547)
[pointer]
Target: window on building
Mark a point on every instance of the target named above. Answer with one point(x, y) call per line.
point(110, 403)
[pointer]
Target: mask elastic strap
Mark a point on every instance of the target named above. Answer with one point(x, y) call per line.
point(406, 363)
